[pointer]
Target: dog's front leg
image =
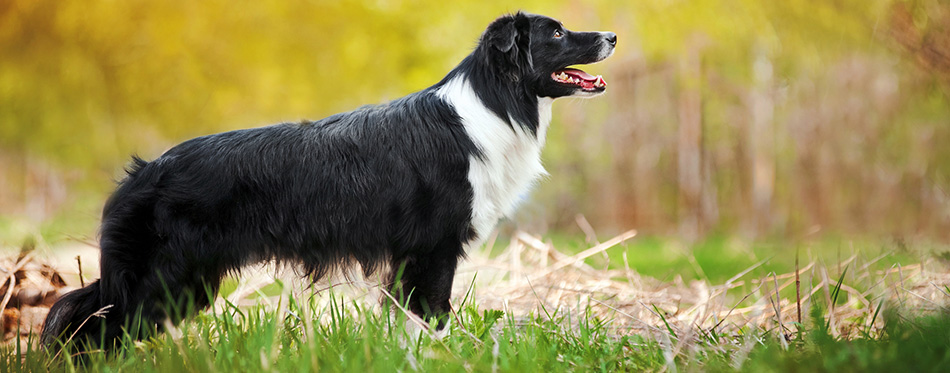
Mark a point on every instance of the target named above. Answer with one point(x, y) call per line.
point(424, 281)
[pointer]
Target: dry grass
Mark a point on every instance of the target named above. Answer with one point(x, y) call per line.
point(29, 287)
point(532, 277)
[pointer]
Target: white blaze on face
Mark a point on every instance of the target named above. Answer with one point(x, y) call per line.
point(510, 161)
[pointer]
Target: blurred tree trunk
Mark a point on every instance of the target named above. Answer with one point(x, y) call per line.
point(761, 144)
point(926, 41)
point(622, 203)
point(806, 128)
point(689, 145)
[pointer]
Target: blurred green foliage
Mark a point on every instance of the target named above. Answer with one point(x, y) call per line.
point(85, 83)
point(83, 79)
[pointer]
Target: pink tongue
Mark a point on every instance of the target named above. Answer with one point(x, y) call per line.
point(580, 74)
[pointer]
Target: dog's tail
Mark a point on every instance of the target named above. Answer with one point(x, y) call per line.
point(74, 315)
point(98, 312)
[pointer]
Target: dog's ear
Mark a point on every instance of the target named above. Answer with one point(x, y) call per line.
point(501, 34)
point(507, 42)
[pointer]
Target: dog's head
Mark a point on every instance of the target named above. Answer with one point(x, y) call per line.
point(538, 52)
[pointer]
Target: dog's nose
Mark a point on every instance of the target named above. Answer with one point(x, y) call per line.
point(611, 38)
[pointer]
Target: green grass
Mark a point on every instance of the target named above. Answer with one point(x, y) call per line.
point(343, 336)
point(906, 345)
point(329, 333)
point(335, 335)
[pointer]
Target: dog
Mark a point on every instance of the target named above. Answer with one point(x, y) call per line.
point(407, 185)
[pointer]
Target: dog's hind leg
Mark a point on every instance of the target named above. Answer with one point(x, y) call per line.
point(96, 314)
point(180, 281)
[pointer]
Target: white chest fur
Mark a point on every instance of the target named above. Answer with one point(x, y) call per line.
point(510, 162)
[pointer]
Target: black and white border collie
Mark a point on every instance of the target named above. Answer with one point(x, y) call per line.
point(408, 185)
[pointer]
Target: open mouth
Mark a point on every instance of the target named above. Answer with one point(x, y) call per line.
point(580, 79)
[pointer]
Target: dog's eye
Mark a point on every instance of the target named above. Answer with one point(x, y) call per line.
point(558, 34)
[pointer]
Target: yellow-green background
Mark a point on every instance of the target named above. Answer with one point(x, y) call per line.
point(814, 117)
